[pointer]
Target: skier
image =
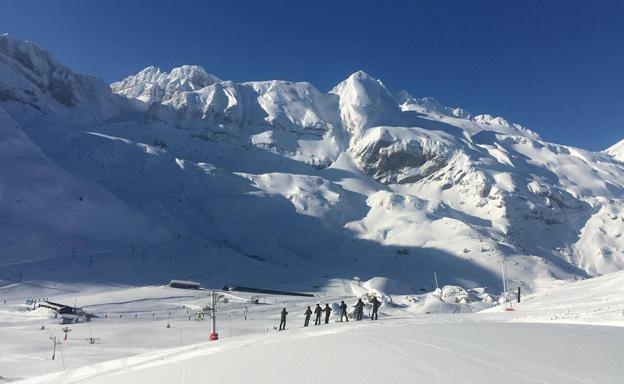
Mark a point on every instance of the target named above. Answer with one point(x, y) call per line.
point(283, 319)
point(327, 312)
point(359, 309)
point(317, 311)
point(307, 314)
point(343, 311)
point(376, 305)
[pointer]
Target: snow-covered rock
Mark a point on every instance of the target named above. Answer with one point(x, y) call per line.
point(402, 155)
point(617, 151)
point(427, 105)
point(34, 83)
point(365, 102)
point(151, 85)
point(292, 119)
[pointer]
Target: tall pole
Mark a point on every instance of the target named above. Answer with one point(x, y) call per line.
point(213, 323)
point(504, 282)
point(435, 276)
point(62, 357)
point(508, 304)
point(53, 347)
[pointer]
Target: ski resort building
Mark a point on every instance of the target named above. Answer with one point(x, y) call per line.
point(61, 309)
point(184, 284)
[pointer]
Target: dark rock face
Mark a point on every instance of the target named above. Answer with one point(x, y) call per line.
point(63, 91)
point(393, 161)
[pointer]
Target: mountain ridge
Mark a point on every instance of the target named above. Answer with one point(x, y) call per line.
point(356, 180)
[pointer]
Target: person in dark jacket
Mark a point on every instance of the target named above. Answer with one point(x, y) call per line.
point(328, 311)
point(376, 305)
point(283, 319)
point(343, 311)
point(317, 311)
point(307, 314)
point(359, 309)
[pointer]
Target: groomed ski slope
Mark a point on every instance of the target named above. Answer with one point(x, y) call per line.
point(388, 351)
point(557, 335)
point(596, 301)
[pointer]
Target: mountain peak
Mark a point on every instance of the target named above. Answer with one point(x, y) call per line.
point(29, 55)
point(194, 73)
point(617, 151)
point(152, 85)
point(33, 80)
point(361, 77)
point(149, 70)
point(365, 102)
point(360, 74)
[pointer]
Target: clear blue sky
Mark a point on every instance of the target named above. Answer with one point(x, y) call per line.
point(555, 66)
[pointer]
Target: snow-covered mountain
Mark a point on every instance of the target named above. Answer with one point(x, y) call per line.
point(617, 151)
point(280, 177)
point(153, 86)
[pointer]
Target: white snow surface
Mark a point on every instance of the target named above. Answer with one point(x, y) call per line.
point(277, 184)
point(151, 85)
point(404, 352)
point(617, 151)
point(356, 181)
point(557, 335)
point(108, 192)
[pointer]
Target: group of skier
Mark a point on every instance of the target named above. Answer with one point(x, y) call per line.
point(318, 311)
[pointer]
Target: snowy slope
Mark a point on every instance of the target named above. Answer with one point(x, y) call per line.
point(35, 83)
point(530, 344)
point(44, 207)
point(277, 174)
point(403, 352)
point(365, 102)
point(617, 151)
point(596, 301)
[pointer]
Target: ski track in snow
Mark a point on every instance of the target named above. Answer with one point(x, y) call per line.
point(528, 345)
point(392, 350)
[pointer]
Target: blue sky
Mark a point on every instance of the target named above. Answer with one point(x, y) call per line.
point(554, 66)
